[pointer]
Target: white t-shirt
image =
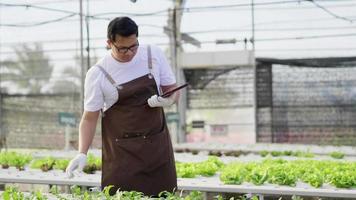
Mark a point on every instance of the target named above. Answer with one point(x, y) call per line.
point(99, 93)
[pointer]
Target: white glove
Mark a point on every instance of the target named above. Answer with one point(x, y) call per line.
point(157, 101)
point(78, 162)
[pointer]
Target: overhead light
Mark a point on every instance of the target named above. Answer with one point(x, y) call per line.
point(133, 1)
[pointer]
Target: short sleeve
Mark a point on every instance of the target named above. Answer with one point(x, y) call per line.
point(93, 95)
point(165, 71)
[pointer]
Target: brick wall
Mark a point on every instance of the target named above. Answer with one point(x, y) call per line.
point(32, 121)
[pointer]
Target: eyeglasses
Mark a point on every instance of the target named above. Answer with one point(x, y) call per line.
point(124, 50)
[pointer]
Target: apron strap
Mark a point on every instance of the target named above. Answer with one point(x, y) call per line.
point(111, 80)
point(150, 66)
point(149, 54)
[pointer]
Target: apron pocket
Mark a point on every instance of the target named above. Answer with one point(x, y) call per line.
point(145, 153)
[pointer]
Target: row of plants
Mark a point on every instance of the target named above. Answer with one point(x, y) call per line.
point(306, 154)
point(13, 159)
point(49, 163)
point(20, 161)
point(12, 193)
point(192, 169)
point(276, 171)
point(283, 172)
point(205, 168)
point(263, 153)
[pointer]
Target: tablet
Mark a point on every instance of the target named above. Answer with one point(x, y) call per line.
point(170, 92)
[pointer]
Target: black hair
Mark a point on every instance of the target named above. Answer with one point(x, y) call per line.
point(123, 26)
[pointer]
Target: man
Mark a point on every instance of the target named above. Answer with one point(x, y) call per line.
point(125, 85)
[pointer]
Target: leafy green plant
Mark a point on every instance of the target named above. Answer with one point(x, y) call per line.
point(236, 153)
point(215, 153)
point(205, 168)
point(87, 196)
point(185, 170)
point(314, 178)
point(305, 154)
point(344, 179)
point(337, 155)
point(89, 169)
point(246, 197)
point(263, 153)
point(294, 197)
point(280, 175)
point(92, 165)
point(19, 160)
point(54, 190)
point(4, 159)
point(45, 164)
point(218, 197)
point(195, 152)
point(97, 162)
point(287, 153)
point(276, 153)
point(194, 195)
point(168, 195)
point(6, 195)
point(11, 193)
point(233, 173)
point(39, 196)
point(130, 195)
point(258, 176)
point(216, 161)
point(61, 164)
point(75, 190)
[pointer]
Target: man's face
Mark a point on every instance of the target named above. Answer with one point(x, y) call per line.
point(124, 48)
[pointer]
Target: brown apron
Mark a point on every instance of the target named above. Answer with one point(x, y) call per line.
point(137, 151)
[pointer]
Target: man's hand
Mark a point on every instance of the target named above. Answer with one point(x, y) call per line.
point(78, 162)
point(157, 101)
